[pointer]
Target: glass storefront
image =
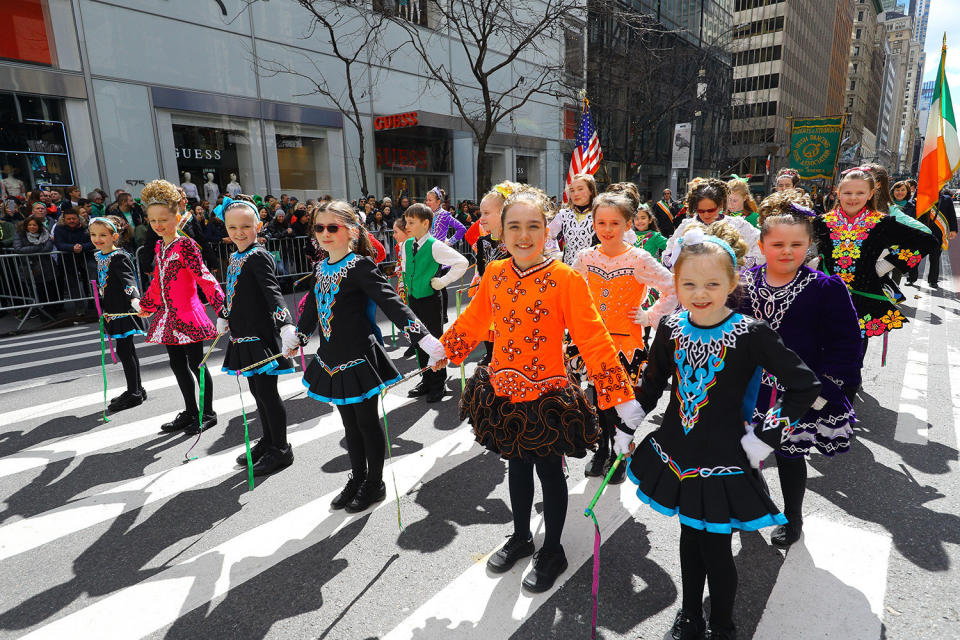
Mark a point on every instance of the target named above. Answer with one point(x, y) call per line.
point(212, 161)
point(528, 169)
point(303, 157)
point(34, 151)
point(413, 161)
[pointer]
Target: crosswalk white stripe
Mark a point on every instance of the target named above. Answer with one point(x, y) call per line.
point(90, 355)
point(56, 347)
point(831, 585)
point(110, 437)
point(24, 535)
point(464, 602)
point(114, 375)
point(46, 335)
point(912, 409)
point(141, 609)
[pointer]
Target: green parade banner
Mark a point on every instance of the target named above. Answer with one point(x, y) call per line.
point(814, 146)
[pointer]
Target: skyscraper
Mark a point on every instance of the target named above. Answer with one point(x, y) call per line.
point(780, 71)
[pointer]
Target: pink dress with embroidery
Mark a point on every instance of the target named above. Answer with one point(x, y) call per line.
point(179, 316)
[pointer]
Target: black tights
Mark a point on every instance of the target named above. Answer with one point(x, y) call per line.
point(707, 557)
point(365, 442)
point(127, 353)
point(185, 361)
point(270, 409)
point(554, 486)
point(608, 420)
point(793, 483)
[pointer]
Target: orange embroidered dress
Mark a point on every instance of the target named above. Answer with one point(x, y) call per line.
point(618, 285)
point(523, 405)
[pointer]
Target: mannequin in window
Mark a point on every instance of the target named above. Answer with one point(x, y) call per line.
point(233, 187)
point(11, 184)
point(211, 190)
point(189, 188)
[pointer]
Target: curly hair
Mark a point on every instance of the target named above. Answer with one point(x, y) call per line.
point(725, 232)
point(122, 229)
point(706, 189)
point(775, 209)
point(161, 192)
point(525, 194)
point(502, 190)
point(787, 172)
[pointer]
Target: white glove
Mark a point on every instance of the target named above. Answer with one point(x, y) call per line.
point(135, 304)
point(436, 284)
point(883, 267)
point(631, 413)
point(434, 350)
point(640, 317)
point(222, 325)
point(288, 338)
point(755, 448)
point(621, 442)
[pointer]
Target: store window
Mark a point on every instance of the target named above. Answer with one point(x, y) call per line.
point(528, 169)
point(25, 28)
point(413, 161)
point(33, 144)
point(213, 161)
point(304, 161)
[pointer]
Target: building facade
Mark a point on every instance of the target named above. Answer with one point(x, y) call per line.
point(668, 63)
point(112, 95)
point(781, 72)
point(865, 78)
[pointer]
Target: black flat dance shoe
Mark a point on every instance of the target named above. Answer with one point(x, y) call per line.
point(181, 422)
point(435, 395)
point(126, 401)
point(507, 555)
point(411, 352)
point(688, 628)
point(273, 460)
point(730, 633)
point(785, 535)
point(417, 391)
point(595, 468)
point(209, 420)
point(256, 452)
point(349, 490)
point(367, 495)
point(620, 473)
point(547, 566)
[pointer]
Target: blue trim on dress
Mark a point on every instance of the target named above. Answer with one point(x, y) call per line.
point(270, 369)
point(767, 520)
point(132, 332)
point(355, 399)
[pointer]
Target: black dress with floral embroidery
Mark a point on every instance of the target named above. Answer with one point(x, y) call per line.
point(851, 249)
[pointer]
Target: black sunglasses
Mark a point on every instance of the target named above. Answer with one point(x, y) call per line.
point(332, 228)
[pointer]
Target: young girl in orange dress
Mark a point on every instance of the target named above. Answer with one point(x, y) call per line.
point(523, 406)
point(619, 277)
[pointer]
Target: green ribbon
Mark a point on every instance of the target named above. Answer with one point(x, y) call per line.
point(603, 485)
point(855, 292)
point(386, 431)
point(103, 368)
point(246, 436)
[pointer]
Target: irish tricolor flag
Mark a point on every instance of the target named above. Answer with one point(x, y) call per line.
point(941, 149)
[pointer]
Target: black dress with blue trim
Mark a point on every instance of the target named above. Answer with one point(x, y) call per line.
point(815, 316)
point(255, 309)
point(350, 365)
point(117, 285)
point(693, 465)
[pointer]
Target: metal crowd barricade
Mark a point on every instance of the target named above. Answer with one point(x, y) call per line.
point(33, 281)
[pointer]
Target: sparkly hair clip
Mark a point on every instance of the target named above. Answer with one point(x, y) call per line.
point(802, 210)
point(153, 201)
point(789, 172)
point(503, 190)
point(105, 221)
point(865, 169)
point(436, 191)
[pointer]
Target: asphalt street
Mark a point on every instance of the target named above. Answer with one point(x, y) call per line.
point(107, 532)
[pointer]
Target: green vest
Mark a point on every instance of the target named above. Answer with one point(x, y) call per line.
point(420, 269)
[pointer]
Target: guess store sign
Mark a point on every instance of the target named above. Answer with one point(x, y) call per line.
point(396, 121)
point(402, 158)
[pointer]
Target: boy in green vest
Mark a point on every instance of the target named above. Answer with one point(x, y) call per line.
point(423, 259)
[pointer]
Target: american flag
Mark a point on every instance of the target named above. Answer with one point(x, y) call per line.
point(587, 156)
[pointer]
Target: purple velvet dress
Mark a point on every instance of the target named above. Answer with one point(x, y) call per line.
point(815, 317)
